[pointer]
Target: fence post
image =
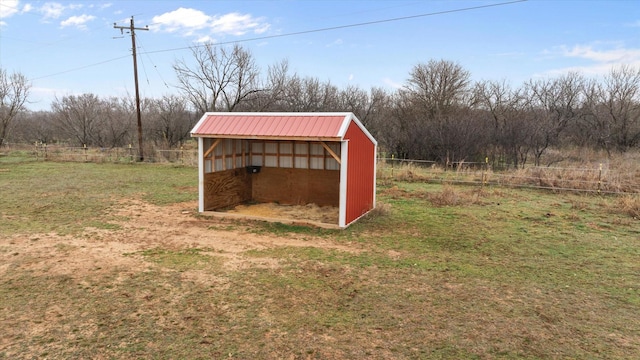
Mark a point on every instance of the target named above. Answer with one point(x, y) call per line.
point(86, 158)
point(485, 169)
point(130, 154)
point(600, 179)
point(45, 151)
point(392, 162)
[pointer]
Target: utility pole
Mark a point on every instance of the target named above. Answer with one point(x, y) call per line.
point(132, 30)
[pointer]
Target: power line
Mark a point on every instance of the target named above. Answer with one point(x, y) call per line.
point(79, 68)
point(299, 33)
point(154, 66)
point(347, 26)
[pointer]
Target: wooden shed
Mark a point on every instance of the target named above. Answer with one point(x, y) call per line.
point(328, 159)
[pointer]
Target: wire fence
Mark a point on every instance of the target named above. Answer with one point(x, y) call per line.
point(129, 154)
point(594, 178)
point(598, 178)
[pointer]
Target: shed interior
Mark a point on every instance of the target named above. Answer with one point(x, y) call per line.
point(287, 172)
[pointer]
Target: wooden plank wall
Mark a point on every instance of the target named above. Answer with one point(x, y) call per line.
point(297, 186)
point(226, 188)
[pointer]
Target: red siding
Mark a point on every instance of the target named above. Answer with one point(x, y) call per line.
point(271, 125)
point(360, 173)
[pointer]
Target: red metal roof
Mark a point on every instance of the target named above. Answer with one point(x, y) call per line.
point(273, 125)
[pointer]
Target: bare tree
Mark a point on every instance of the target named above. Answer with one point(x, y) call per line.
point(14, 92)
point(310, 94)
point(171, 120)
point(507, 110)
point(80, 119)
point(220, 79)
point(622, 101)
point(118, 118)
point(377, 108)
point(434, 97)
point(370, 107)
point(610, 114)
point(353, 99)
point(273, 90)
point(554, 103)
point(405, 134)
point(594, 125)
point(35, 126)
point(438, 85)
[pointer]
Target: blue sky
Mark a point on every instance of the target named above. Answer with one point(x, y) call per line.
point(72, 47)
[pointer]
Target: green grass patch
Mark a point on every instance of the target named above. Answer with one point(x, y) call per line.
point(442, 272)
point(362, 260)
point(66, 197)
point(182, 260)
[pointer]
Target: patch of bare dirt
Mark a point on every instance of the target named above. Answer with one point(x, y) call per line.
point(65, 255)
point(141, 226)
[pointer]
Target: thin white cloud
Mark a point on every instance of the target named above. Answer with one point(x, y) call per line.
point(77, 21)
point(51, 10)
point(392, 84)
point(512, 54)
point(181, 19)
point(595, 59)
point(337, 42)
point(236, 24)
point(193, 22)
point(634, 24)
point(205, 39)
point(262, 28)
point(46, 92)
point(9, 8)
point(55, 10)
point(588, 52)
point(100, 6)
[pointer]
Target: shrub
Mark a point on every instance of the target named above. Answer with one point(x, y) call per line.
point(630, 205)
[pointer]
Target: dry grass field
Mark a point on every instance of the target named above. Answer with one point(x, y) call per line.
point(112, 261)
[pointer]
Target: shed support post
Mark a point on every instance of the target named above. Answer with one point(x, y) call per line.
point(201, 174)
point(342, 217)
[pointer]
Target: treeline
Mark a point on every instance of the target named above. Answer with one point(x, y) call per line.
point(108, 122)
point(438, 114)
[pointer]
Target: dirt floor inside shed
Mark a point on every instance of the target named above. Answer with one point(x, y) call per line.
point(310, 213)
